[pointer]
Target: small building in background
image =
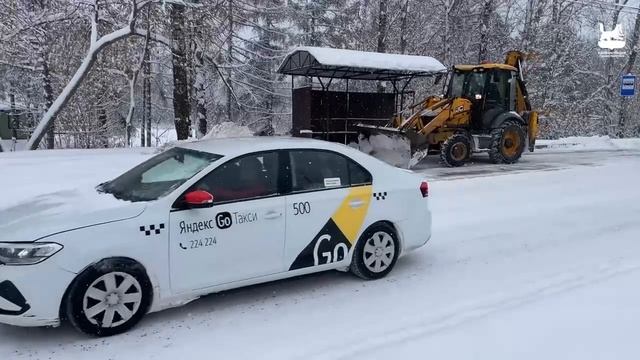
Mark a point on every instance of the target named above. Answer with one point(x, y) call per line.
point(13, 130)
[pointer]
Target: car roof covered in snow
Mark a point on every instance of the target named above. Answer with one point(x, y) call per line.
point(357, 65)
point(235, 146)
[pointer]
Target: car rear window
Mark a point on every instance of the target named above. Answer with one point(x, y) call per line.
point(319, 169)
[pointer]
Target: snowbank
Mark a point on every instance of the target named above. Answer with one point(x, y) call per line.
point(393, 150)
point(159, 135)
point(589, 143)
point(223, 130)
point(8, 145)
point(228, 129)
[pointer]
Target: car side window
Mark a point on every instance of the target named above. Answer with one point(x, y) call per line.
point(246, 177)
point(359, 175)
point(317, 170)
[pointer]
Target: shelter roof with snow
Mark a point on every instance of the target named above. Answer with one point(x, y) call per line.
point(357, 65)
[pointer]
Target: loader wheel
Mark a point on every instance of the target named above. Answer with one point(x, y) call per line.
point(507, 143)
point(456, 150)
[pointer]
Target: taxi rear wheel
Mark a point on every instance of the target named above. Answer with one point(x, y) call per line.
point(109, 298)
point(376, 252)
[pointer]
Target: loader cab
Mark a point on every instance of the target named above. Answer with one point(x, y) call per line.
point(489, 87)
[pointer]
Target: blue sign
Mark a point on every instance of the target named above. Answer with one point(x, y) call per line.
point(628, 85)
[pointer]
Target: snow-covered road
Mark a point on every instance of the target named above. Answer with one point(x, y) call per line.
point(540, 262)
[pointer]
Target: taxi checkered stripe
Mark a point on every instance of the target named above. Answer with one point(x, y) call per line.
point(380, 195)
point(152, 228)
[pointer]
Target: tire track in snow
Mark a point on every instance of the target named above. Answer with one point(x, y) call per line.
point(565, 282)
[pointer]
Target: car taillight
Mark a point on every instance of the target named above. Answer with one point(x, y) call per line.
point(424, 189)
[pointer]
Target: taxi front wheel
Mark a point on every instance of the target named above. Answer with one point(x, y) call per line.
point(376, 252)
point(109, 297)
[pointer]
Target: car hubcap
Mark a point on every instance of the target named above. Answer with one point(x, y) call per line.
point(379, 251)
point(112, 299)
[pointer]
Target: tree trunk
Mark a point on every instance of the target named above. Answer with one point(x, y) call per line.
point(146, 121)
point(201, 103)
point(103, 139)
point(611, 92)
point(48, 99)
point(145, 98)
point(622, 120)
point(446, 35)
point(382, 35)
point(403, 27)
point(230, 61)
point(13, 118)
point(181, 103)
point(485, 18)
point(526, 38)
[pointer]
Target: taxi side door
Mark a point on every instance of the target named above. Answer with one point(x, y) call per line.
point(328, 201)
point(240, 236)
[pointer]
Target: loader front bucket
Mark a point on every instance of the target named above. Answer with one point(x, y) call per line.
point(368, 130)
point(380, 139)
point(418, 141)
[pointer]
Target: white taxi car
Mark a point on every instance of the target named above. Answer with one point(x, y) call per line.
point(205, 217)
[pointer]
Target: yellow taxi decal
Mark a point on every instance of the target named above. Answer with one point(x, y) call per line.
point(332, 243)
point(351, 214)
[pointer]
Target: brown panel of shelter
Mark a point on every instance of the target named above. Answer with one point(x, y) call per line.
point(333, 115)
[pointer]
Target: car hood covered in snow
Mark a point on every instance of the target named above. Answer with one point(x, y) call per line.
point(62, 211)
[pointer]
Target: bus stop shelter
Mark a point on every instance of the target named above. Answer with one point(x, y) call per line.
point(332, 115)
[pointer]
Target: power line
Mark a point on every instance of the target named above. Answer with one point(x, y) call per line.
point(611, 6)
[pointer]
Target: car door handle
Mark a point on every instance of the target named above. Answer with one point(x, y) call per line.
point(356, 203)
point(272, 215)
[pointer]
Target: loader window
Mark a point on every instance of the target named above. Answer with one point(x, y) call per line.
point(457, 85)
point(476, 85)
point(498, 89)
point(467, 85)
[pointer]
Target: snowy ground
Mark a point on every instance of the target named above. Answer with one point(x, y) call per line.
point(533, 261)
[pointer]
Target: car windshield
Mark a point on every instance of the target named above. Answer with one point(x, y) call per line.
point(159, 175)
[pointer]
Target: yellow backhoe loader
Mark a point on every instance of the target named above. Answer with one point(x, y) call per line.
point(485, 109)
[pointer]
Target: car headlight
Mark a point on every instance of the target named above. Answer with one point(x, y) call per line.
point(26, 253)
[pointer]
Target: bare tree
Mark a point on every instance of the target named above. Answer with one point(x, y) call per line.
point(181, 102)
point(97, 44)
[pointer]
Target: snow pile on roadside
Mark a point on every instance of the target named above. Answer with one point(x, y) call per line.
point(589, 143)
point(628, 144)
point(228, 129)
point(394, 150)
point(225, 129)
point(8, 145)
point(159, 136)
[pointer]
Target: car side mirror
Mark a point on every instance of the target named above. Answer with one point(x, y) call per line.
point(197, 199)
